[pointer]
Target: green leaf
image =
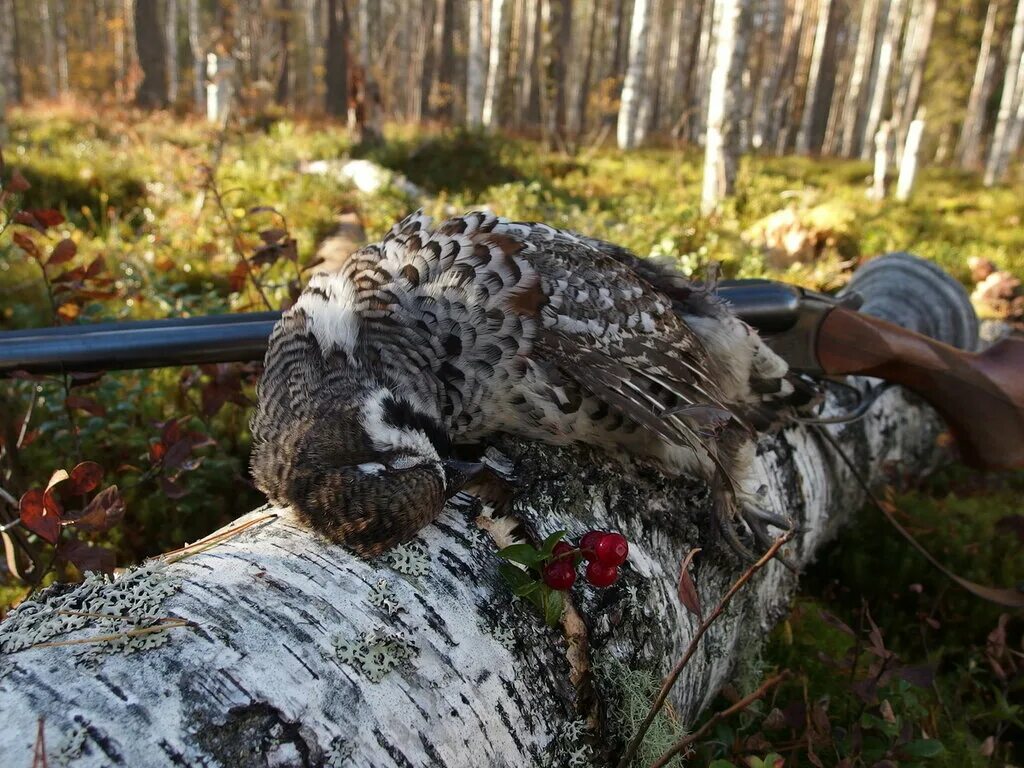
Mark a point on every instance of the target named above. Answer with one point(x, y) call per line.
point(513, 576)
point(548, 547)
point(721, 764)
point(552, 607)
point(923, 748)
point(524, 554)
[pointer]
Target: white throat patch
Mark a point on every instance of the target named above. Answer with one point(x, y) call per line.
point(387, 437)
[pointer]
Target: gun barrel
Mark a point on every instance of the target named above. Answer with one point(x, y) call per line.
point(768, 306)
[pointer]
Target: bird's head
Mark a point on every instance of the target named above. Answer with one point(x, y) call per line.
point(368, 471)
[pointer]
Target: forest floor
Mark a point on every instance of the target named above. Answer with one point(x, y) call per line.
point(892, 664)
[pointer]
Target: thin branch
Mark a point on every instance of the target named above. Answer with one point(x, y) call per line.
point(673, 676)
point(688, 741)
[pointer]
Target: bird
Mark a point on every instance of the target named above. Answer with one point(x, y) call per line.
point(441, 336)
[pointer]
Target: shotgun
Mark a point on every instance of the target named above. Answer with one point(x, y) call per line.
point(980, 395)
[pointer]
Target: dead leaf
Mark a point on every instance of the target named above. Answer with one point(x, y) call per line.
point(687, 590)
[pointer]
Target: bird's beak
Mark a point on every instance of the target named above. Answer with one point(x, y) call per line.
point(457, 474)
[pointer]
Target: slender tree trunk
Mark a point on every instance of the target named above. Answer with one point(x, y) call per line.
point(877, 191)
point(529, 95)
point(365, 31)
point(442, 93)
point(889, 30)
point(908, 161)
point(63, 69)
point(282, 92)
point(6, 64)
point(968, 148)
point(786, 94)
point(646, 114)
point(149, 41)
point(16, 86)
point(476, 65)
point(171, 33)
point(807, 122)
point(311, 33)
point(850, 144)
point(583, 94)
point(500, 28)
point(428, 57)
point(912, 67)
point(720, 155)
point(198, 56)
point(844, 68)
point(557, 52)
point(771, 65)
point(49, 57)
point(634, 84)
point(1013, 90)
point(700, 85)
point(336, 59)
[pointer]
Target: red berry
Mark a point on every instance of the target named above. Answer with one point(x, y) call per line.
point(563, 548)
point(589, 542)
point(601, 575)
point(612, 550)
point(560, 575)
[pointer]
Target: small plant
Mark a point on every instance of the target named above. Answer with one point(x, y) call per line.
point(542, 575)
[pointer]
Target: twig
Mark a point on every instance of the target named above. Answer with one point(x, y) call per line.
point(212, 540)
point(673, 676)
point(236, 239)
point(688, 741)
point(116, 635)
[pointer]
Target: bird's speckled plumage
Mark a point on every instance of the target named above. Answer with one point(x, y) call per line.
point(446, 335)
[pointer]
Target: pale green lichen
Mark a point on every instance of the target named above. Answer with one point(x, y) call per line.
point(110, 606)
point(381, 597)
point(409, 559)
point(339, 754)
point(376, 653)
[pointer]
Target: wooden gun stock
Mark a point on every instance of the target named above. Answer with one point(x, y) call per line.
point(981, 396)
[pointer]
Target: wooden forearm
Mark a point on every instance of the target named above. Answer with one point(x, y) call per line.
point(980, 396)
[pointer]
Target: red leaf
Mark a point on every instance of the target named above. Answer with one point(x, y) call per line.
point(27, 219)
point(18, 183)
point(270, 236)
point(172, 489)
point(63, 251)
point(104, 512)
point(171, 433)
point(177, 453)
point(238, 276)
point(84, 378)
point(687, 590)
point(87, 404)
point(27, 244)
point(37, 518)
point(156, 452)
point(96, 266)
point(86, 477)
point(48, 217)
point(88, 557)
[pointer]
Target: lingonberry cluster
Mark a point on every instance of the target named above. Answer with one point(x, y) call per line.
point(603, 552)
point(550, 569)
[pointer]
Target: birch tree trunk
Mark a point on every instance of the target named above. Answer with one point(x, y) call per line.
point(495, 64)
point(720, 156)
point(336, 59)
point(1013, 90)
point(633, 85)
point(475, 65)
point(908, 160)
point(282, 90)
point(171, 33)
point(149, 34)
point(912, 66)
point(265, 646)
point(850, 144)
point(889, 29)
point(63, 68)
point(775, 18)
point(968, 148)
point(804, 138)
point(49, 58)
point(198, 57)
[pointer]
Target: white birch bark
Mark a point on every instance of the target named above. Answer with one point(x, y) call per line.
point(912, 66)
point(679, 41)
point(63, 68)
point(634, 84)
point(723, 99)
point(495, 66)
point(171, 22)
point(364, 36)
point(850, 143)
point(908, 161)
point(847, 37)
point(889, 30)
point(475, 65)
point(198, 56)
point(877, 191)
point(771, 66)
point(968, 148)
point(1013, 90)
point(652, 74)
point(49, 57)
point(803, 141)
point(702, 76)
point(528, 71)
point(297, 653)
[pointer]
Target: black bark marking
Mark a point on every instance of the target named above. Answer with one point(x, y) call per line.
point(393, 751)
point(251, 734)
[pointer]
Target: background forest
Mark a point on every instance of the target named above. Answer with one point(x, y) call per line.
point(166, 158)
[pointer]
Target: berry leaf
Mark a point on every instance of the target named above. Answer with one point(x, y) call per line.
point(102, 513)
point(62, 252)
point(37, 518)
point(548, 547)
point(86, 477)
point(523, 554)
point(552, 602)
point(87, 557)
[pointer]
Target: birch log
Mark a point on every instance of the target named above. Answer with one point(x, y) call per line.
point(297, 653)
